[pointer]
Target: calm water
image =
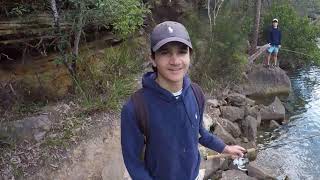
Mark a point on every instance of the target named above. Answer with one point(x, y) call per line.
point(299, 158)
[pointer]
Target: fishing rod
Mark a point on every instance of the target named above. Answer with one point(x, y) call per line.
point(288, 50)
point(262, 148)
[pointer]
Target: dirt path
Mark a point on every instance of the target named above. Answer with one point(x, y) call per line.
point(97, 157)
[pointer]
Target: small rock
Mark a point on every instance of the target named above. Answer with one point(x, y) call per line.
point(236, 99)
point(223, 102)
point(212, 165)
point(274, 124)
point(207, 122)
point(214, 112)
point(39, 136)
point(28, 128)
point(250, 102)
point(235, 175)
point(249, 128)
point(223, 134)
point(203, 151)
point(231, 127)
point(213, 103)
point(244, 139)
point(258, 172)
point(275, 111)
point(232, 113)
point(216, 175)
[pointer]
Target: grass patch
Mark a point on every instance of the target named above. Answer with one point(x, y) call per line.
point(107, 78)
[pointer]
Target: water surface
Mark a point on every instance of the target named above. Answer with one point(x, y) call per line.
point(299, 157)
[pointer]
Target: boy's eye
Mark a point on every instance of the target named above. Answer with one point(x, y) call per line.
point(164, 52)
point(183, 51)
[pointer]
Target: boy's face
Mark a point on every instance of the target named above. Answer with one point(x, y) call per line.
point(275, 24)
point(172, 61)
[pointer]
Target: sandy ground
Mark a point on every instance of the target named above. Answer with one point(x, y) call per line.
point(97, 157)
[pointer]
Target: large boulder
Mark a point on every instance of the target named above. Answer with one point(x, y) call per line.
point(264, 81)
point(258, 172)
point(231, 127)
point(235, 175)
point(232, 113)
point(249, 127)
point(275, 111)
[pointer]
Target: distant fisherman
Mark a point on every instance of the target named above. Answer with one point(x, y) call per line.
point(274, 41)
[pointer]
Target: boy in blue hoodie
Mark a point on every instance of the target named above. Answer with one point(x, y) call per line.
point(175, 119)
point(274, 41)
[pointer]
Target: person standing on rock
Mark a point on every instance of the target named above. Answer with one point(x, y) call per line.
point(274, 41)
point(169, 137)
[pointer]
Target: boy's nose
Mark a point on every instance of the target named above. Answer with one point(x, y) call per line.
point(174, 59)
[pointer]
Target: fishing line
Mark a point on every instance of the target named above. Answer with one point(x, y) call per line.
point(288, 50)
point(286, 143)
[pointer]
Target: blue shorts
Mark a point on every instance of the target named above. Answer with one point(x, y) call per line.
point(273, 49)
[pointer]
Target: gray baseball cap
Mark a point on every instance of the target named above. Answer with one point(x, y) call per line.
point(169, 31)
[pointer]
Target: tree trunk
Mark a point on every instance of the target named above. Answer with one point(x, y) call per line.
point(63, 45)
point(256, 27)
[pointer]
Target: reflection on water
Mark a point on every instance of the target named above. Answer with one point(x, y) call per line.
point(299, 158)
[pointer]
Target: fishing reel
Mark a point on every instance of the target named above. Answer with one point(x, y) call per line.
point(241, 162)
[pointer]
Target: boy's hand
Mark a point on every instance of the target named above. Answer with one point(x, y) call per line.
point(279, 46)
point(234, 150)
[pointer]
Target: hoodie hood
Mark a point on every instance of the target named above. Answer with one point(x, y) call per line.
point(148, 82)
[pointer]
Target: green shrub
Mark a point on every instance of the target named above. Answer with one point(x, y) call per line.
point(105, 80)
point(220, 56)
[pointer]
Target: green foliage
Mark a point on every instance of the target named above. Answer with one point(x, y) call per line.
point(298, 34)
point(106, 79)
point(220, 56)
point(20, 10)
point(125, 16)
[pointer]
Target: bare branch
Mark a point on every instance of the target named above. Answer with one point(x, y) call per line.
point(55, 12)
point(6, 56)
point(209, 14)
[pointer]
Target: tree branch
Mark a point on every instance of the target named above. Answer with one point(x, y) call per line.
point(6, 56)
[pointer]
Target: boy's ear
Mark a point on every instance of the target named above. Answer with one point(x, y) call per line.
point(151, 59)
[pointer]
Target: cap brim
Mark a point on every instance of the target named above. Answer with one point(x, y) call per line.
point(170, 39)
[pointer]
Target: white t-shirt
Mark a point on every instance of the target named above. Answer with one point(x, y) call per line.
point(177, 94)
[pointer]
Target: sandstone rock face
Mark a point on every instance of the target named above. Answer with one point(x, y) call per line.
point(264, 81)
point(232, 113)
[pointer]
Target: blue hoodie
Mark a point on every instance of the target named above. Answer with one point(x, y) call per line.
point(274, 36)
point(175, 129)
